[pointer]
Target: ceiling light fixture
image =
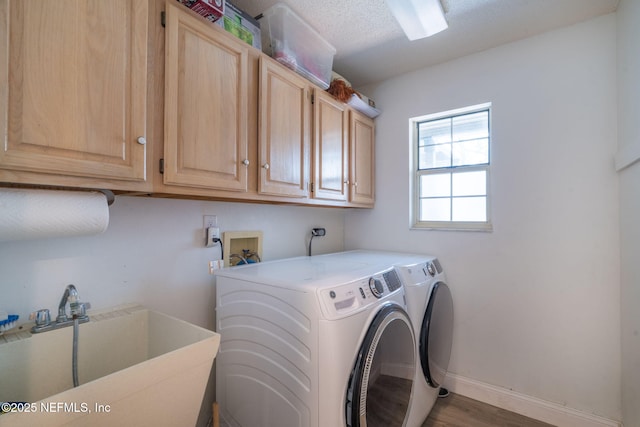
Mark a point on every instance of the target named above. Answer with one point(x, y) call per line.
point(418, 18)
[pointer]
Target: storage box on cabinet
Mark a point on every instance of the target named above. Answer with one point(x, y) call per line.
point(293, 43)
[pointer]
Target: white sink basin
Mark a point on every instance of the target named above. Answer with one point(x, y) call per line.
point(136, 367)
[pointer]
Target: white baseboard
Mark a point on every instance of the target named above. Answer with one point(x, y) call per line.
point(519, 403)
point(400, 370)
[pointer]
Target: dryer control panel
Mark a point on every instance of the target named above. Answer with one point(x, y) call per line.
point(422, 273)
point(348, 298)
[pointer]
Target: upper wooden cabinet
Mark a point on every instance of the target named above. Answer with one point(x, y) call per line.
point(205, 104)
point(92, 90)
point(330, 148)
point(362, 152)
point(73, 78)
point(284, 131)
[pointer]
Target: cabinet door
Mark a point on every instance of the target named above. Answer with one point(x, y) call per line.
point(362, 174)
point(74, 87)
point(205, 105)
point(284, 131)
point(330, 148)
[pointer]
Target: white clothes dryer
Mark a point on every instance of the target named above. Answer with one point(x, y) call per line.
point(430, 307)
point(314, 341)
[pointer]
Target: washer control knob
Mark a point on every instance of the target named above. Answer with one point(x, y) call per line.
point(431, 269)
point(376, 287)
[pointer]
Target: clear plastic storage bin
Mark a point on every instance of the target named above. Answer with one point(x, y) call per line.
point(293, 43)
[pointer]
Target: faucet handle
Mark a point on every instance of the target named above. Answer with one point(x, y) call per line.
point(84, 306)
point(42, 317)
point(79, 309)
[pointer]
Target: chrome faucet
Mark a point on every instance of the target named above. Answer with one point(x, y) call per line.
point(70, 295)
point(77, 310)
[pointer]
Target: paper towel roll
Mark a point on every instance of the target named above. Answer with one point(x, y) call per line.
point(39, 214)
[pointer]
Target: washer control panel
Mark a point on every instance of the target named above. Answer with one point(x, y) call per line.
point(342, 300)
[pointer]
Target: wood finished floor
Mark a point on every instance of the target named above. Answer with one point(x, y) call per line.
point(460, 411)
point(451, 411)
point(386, 408)
point(387, 399)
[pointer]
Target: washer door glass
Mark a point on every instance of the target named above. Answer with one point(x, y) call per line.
point(436, 335)
point(381, 382)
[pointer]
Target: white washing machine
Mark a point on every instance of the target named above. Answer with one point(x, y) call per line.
point(430, 307)
point(314, 341)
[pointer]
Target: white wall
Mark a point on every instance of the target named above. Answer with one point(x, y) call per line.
point(629, 139)
point(153, 253)
point(537, 300)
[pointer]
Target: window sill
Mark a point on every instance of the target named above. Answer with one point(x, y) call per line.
point(484, 227)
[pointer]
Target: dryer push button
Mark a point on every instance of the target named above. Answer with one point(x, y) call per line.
point(430, 269)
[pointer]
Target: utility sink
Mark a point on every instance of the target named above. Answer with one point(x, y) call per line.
point(136, 367)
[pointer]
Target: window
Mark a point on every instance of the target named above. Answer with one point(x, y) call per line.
point(451, 169)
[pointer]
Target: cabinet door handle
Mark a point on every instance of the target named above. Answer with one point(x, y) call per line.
point(265, 166)
point(142, 140)
point(245, 162)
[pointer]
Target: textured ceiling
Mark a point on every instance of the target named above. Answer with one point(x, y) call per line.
point(372, 47)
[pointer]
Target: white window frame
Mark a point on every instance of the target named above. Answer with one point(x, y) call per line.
point(415, 223)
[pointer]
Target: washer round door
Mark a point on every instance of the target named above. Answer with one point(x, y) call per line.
point(381, 382)
point(436, 335)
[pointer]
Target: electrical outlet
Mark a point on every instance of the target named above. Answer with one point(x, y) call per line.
point(211, 230)
point(212, 233)
point(319, 232)
point(209, 221)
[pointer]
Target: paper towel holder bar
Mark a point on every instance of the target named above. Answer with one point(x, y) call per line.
point(107, 193)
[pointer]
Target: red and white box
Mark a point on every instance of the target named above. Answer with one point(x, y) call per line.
point(210, 9)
